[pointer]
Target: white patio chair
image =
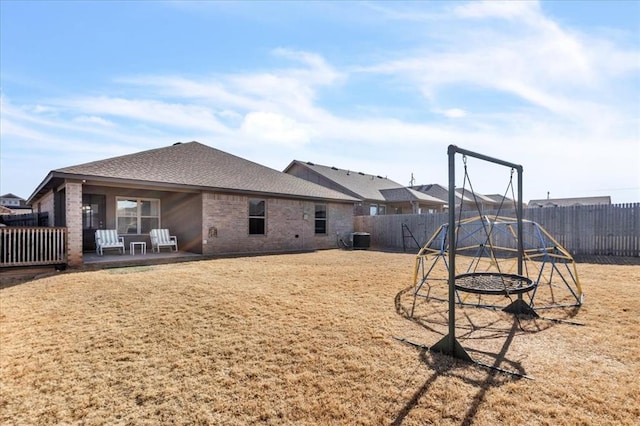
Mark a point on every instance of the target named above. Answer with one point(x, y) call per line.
point(108, 239)
point(161, 238)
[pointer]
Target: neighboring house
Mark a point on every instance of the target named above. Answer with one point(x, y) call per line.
point(214, 202)
point(506, 202)
point(466, 198)
point(17, 204)
point(482, 202)
point(441, 193)
point(5, 211)
point(568, 202)
point(378, 195)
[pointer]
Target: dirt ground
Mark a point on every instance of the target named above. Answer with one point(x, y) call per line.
point(308, 339)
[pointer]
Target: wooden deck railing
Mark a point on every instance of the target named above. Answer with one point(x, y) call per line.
point(29, 246)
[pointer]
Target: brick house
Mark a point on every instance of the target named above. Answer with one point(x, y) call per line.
point(379, 195)
point(214, 202)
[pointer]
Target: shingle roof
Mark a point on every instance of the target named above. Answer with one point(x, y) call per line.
point(366, 186)
point(436, 190)
point(10, 195)
point(473, 196)
point(193, 164)
point(566, 202)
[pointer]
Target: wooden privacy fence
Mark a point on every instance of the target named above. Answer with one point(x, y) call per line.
point(28, 219)
point(29, 246)
point(609, 230)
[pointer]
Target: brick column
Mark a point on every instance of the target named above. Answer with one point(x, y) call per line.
point(73, 195)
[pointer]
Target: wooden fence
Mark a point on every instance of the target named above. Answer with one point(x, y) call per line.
point(610, 230)
point(29, 246)
point(26, 219)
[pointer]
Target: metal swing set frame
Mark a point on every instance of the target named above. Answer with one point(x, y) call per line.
point(535, 260)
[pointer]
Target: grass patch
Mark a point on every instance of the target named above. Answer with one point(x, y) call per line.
point(130, 269)
point(306, 339)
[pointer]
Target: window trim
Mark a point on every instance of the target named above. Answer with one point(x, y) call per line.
point(325, 219)
point(139, 215)
point(263, 217)
point(377, 208)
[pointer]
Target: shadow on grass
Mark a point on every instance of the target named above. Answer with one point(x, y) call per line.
point(500, 369)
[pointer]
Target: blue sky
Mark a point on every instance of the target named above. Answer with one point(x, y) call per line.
point(377, 87)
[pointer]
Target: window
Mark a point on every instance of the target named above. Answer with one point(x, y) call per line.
point(257, 217)
point(321, 219)
point(375, 209)
point(137, 216)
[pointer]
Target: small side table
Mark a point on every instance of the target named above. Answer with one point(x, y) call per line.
point(141, 244)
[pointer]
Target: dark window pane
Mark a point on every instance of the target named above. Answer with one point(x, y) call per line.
point(321, 226)
point(256, 226)
point(321, 219)
point(149, 208)
point(256, 208)
point(149, 223)
point(321, 211)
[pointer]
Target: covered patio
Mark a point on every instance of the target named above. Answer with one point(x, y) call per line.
point(113, 259)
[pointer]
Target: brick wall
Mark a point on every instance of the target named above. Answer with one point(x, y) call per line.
point(74, 223)
point(290, 225)
point(46, 205)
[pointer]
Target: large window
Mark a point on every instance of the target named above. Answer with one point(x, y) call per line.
point(321, 219)
point(137, 215)
point(257, 217)
point(377, 209)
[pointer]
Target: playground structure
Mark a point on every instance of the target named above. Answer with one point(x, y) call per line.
point(487, 262)
point(484, 257)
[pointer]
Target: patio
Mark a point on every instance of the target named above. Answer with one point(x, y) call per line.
point(112, 259)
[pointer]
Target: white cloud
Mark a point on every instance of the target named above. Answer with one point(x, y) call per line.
point(454, 113)
point(158, 112)
point(274, 128)
point(563, 110)
point(93, 120)
point(497, 9)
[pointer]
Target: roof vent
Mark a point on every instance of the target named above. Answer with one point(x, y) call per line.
point(334, 168)
point(177, 143)
point(380, 177)
point(360, 173)
point(310, 163)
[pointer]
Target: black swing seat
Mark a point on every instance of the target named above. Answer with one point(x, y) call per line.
point(493, 283)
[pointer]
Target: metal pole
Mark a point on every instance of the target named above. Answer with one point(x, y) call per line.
point(520, 233)
point(454, 149)
point(451, 151)
point(484, 157)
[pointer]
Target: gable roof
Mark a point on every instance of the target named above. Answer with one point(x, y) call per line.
point(10, 195)
point(5, 210)
point(364, 186)
point(497, 198)
point(474, 196)
point(193, 165)
point(437, 191)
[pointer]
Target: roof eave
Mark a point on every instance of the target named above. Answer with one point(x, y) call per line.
point(101, 180)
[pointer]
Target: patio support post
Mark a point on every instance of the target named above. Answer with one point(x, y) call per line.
point(73, 207)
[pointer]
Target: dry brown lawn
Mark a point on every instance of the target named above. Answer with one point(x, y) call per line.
point(306, 339)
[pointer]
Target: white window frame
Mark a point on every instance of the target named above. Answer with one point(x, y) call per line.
point(263, 217)
point(138, 216)
point(324, 219)
point(377, 209)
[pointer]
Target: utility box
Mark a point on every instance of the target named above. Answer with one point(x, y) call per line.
point(361, 240)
